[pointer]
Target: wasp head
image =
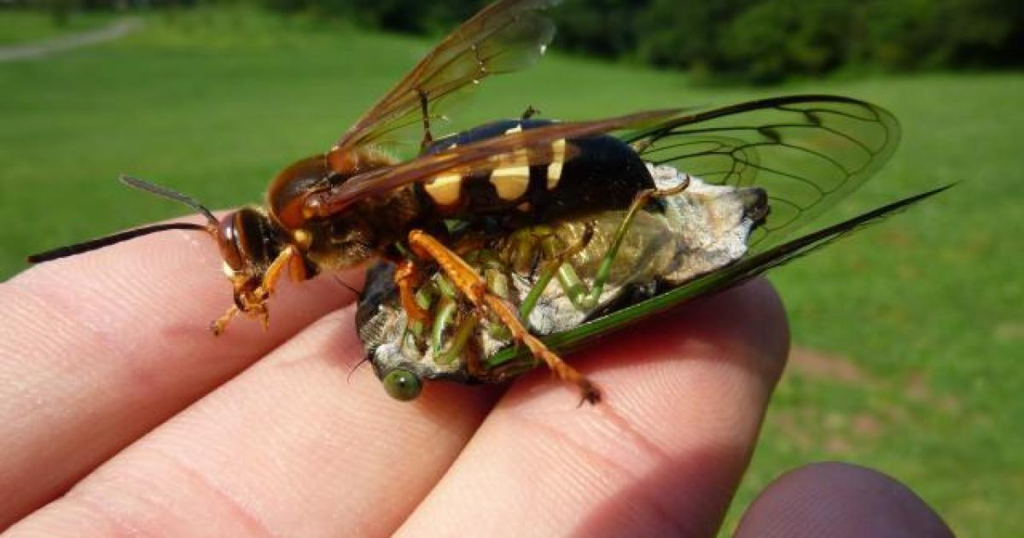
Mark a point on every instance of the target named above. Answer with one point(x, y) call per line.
point(249, 242)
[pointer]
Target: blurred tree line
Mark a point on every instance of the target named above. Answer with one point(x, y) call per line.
point(754, 40)
point(761, 41)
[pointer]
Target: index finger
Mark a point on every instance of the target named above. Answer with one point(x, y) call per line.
point(661, 455)
point(97, 349)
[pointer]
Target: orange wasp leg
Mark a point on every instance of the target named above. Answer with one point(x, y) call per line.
point(473, 287)
point(407, 277)
point(254, 303)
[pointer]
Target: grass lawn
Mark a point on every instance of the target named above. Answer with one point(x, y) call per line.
point(916, 325)
point(18, 27)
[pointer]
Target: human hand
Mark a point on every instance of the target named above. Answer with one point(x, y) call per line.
point(121, 414)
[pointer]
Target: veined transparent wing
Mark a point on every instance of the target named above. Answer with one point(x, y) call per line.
point(807, 151)
point(506, 36)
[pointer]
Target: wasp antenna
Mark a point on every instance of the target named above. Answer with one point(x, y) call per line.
point(86, 246)
point(165, 192)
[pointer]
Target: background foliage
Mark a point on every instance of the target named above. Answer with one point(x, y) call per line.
point(758, 41)
point(754, 40)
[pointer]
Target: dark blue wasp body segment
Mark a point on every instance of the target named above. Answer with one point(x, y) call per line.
point(579, 175)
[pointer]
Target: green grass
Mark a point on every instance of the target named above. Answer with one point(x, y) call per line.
point(18, 27)
point(925, 310)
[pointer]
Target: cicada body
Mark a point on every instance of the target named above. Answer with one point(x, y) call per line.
point(551, 274)
point(696, 244)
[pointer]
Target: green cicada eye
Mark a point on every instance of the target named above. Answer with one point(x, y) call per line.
point(402, 384)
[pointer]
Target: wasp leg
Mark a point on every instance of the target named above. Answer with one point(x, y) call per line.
point(425, 112)
point(574, 287)
point(218, 325)
point(254, 303)
point(407, 278)
point(473, 287)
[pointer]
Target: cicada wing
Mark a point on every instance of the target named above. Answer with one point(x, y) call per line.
point(506, 36)
point(724, 278)
point(807, 151)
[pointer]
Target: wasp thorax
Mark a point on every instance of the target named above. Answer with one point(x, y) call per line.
point(292, 186)
point(352, 241)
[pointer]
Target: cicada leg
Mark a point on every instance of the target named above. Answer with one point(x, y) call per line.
point(556, 265)
point(458, 344)
point(575, 289)
point(470, 284)
point(253, 303)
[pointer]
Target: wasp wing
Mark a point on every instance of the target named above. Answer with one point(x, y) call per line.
point(733, 275)
point(530, 147)
point(807, 151)
point(506, 36)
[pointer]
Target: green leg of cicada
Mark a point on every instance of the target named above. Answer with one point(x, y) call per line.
point(447, 310)
point(575, 289)
point(557, 257)
point(497, 279)
point(463, 333)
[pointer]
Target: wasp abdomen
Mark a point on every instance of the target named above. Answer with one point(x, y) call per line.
point(579, 175)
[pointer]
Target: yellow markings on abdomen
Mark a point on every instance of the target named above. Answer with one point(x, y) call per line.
point(444, 190)
point(557, 160)
point(511, 182)
point(511, 179)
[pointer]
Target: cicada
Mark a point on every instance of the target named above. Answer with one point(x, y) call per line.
point(357, 202)
point(578, 280)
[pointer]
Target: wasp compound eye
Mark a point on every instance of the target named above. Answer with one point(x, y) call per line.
point(402, 384)
point(229, 240)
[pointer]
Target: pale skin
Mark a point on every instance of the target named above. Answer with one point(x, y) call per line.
point(121, 414)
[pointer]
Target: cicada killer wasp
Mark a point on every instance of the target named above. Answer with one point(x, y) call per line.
point(356, 202)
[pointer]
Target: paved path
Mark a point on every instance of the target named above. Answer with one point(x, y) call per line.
point(114, 31)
